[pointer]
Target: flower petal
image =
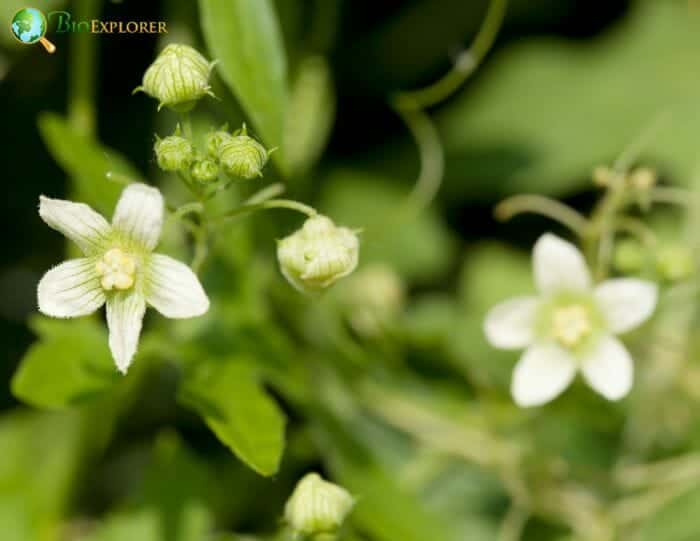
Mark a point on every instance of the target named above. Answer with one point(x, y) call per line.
point(608, 368)
point(511, 324)
point(541, 374)
point(71, 289)
point(173, 289)
point(626, 302)
point(125, 312)
point(77, 221)
point(559, 265)
point(139, 214)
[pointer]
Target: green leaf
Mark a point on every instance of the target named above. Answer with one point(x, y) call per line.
point(678, 520)
point(420, 248)
point(546, 111)
point(87, 162)
point(69, 365)
point(233, 403)
point(245, 37)
point(310, 114)
point(41, 453)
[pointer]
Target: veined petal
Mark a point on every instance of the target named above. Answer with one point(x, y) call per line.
point(77, 221)
point(139, 214)
point(608, 368)
point(626, 302)
point(125, 312)
point(173, 289)
point(541, 374)
point(559, 265)
point(71, 289)
point(511, 324)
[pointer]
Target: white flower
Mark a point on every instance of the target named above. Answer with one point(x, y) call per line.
point(570, 326)
point(118, 269)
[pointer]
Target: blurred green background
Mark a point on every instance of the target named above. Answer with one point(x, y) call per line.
point(567, 86)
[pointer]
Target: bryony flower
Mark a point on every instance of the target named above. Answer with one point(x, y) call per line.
point(570, 326)
point(118, 269)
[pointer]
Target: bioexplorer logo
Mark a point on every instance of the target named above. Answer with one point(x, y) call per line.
point(29, 26)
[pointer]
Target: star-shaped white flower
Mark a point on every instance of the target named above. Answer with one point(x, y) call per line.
point(118, 269)
point(570, 326)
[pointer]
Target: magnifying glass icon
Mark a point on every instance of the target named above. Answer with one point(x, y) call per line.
point(29, 26)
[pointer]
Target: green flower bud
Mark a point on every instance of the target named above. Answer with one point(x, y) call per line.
point(629, 256)
point(375, 295)
point(317, 507)
point(178, 78)
point(214, 141)
point(602, 175)
point(675, 262)
point(242, 156)
point(174, 153)
point(205, 171)
point(643, 178)
point(318, 255)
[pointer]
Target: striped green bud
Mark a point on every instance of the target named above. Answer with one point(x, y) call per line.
point(174, 153)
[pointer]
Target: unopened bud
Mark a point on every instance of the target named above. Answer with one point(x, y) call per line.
point(643, 178)
point(374, 296)
point(174, 153)
point(213, 142)
point(602, 175)
point(317, 507)
point(178, 78)
point(205, 171)
point(629, 256)
point(317, 255)
point(242, 156)
point(674, 262)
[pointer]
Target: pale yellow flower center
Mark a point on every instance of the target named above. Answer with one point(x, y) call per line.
point(116, 270)
point(571, 324)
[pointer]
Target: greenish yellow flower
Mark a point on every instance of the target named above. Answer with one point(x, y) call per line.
point(317, 507)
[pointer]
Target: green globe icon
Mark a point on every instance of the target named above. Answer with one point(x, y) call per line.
point(29, 26)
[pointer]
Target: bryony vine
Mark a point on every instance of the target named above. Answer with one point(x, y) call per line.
point(120, 269)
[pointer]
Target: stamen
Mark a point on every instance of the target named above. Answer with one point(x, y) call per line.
point(117, 270)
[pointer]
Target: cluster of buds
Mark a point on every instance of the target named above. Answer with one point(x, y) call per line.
point(318, 255)
point(317, 509)
point(640, 179)
point(238, 154)
point(177, 154)
point(671, 262)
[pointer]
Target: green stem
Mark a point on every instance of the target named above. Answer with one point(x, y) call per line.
point(186, 124)
point(544, 206)
point(513, 524)
point(273, 190)
point(432, 161)
point(201, 247)
point(466, 64)
point(82, 80)
point(674, 196)
point(270, 204)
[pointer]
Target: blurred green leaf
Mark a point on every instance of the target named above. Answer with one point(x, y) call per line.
point(546, 111)
point(419, 248)
point(40, 457)
point(141, 525)
point(69, 365)
point(87, 162)
point(678, 520)
point(491, 273)
point(310, 114)
point(244, 35)
point(233, 403)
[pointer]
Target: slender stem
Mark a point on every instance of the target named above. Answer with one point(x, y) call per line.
point(194, 207)
point(631, 153)
point(186, 123)
point(639, 229)
point(545, 206)
point(119, 178)
point(201, 247)
point(674, 196)
point(432, 160)
point(466, 64)
point(273, 190)
point(83, 56)
point(271, 204)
